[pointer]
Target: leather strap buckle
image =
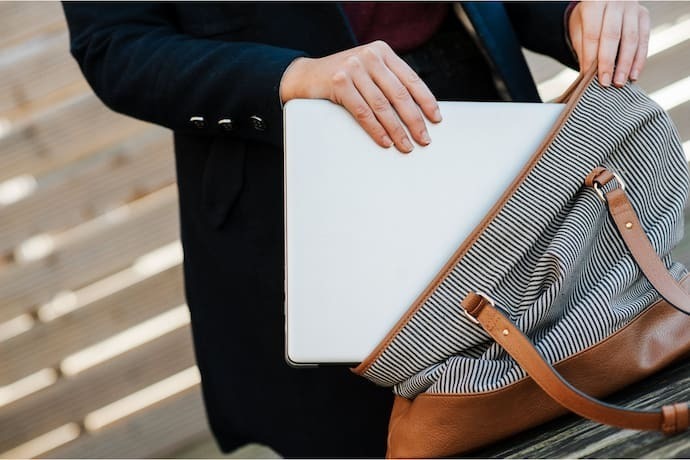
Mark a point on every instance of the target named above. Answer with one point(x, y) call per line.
point(598, 187)
point(485, 297)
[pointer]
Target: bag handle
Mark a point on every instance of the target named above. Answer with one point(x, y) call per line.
point(671, 419)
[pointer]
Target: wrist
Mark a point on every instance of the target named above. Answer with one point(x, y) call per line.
point(291, 80)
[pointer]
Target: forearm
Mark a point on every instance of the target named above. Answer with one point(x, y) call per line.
point(139, 64)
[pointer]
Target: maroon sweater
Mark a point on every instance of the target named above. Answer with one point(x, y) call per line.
point(403, 25)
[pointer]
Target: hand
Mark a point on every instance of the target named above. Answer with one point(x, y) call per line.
point(603, 30)
point(375, 85)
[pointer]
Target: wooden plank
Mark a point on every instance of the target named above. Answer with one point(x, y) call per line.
point(23, 20)
point(666, 12)
point(542, 67)
point(133, 168)
point(46, 344)
point(666, 67)
point(156, 432)
point(78, 127)
point(573, 437)
point(71, 399)
point(34, 71)
point(90, 252)
point(681, 117)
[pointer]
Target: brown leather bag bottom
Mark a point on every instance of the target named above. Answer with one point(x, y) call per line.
point(442, 425)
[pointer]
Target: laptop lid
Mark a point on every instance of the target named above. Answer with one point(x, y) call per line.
point(367, 228)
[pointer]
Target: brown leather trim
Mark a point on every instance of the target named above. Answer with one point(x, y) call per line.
point(437, 425)
point(520, 348)
point(572, 95)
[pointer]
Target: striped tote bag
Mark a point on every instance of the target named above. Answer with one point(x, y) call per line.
point(564, 293)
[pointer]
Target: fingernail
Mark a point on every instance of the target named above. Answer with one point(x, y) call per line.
point(406, 145)
point(387, 141)
point(620, 79)
point(606, 79)
point(425, 137)
point(634, 75)
point(437, 115)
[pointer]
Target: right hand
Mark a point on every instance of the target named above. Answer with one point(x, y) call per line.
point(375, 85)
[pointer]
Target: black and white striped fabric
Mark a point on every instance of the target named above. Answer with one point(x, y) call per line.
point(551, 258)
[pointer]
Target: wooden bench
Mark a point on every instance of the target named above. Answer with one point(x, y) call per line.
point(573, 437)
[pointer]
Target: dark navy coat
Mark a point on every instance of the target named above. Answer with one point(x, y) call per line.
point(210, 72)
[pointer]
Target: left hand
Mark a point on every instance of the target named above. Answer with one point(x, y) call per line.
point(614, 33)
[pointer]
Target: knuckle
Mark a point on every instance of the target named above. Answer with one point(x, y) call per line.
point(353, 63)
point(369, 53)
point(379, 104)
point(400, 93)
point(590, 35)
point(339, 79)
point(398, 133)
point(413, 78)
point(631, 36)
point(361, 112)
point(611, 34)
point(381, 45)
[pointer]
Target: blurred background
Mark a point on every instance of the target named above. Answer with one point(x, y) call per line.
point(96, 358)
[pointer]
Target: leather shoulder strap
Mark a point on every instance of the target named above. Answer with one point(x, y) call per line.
point(670, 419)
point(631, 231)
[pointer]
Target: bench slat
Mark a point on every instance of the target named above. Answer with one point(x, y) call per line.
point(22, 21)
point(91, 252)
point(135, 167)
point(157, 432)
point(46, 344)
point(71, 399)
point(34, 71)
point(78, 127)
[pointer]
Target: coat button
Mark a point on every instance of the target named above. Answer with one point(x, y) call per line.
point(258, 123)
point(198, 122)
point(225, 124)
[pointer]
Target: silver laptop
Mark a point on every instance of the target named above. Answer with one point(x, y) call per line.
point(368, 228)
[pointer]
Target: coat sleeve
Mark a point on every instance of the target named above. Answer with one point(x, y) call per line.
point(139, 63)
point(540, 27)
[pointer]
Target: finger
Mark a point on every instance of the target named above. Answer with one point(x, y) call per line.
point(397, 95)
point(643, 47)
point(347, 95)
point(610, 39)
point(382, 109)
point(415, 86)
point(628, 45)
point(592, 13)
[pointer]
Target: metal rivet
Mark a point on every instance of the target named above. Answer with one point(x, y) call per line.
point(505, 332)
point(628, 225)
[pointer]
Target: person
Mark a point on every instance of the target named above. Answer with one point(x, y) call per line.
point(217, 75)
